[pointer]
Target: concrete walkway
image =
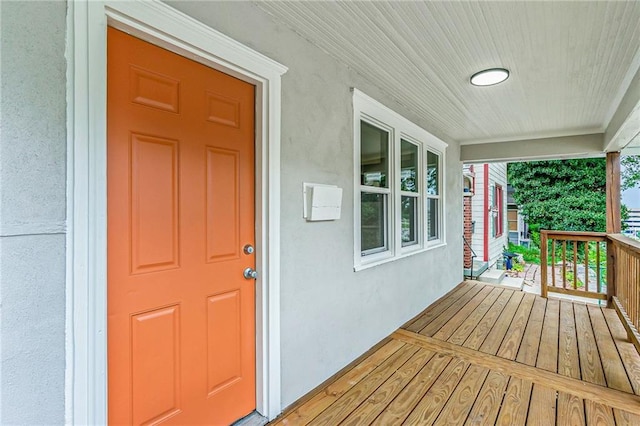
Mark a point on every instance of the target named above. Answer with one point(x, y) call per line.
point(532, 283)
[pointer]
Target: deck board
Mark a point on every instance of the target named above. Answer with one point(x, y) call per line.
point(528, 350)
point(447, 330)
point(543, 407)
point(513, 338)
point(404, 403)
point(457, 409)
point(426, 316)
point(477, 336)
point(373, 406)
point(515, 404)
point(484, 355)
point(614, 371)
point(434, 400)
point(570, 407)
point(499, 329)
point(318, 403)
point(626, 349)
point(590, 366)
point(463, 332)
point(348, 402)
point(433, 326)
point(487, 404)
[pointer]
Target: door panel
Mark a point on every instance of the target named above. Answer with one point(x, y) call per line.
point(224, 320)
point(154, 203)
point(223, 198)
point(155, 361)
point(180, 182)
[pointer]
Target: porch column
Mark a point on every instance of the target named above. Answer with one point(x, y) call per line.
point(613, 193)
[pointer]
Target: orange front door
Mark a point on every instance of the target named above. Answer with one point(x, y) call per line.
point(181, 326)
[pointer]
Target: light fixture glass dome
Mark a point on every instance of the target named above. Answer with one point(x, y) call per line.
point(489, 77)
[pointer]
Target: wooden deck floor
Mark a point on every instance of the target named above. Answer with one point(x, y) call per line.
point(488, 355)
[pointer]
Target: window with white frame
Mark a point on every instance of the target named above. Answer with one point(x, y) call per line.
point(497, 210)
point(398, 198)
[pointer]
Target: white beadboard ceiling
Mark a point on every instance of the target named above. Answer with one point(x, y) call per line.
point(570, 62)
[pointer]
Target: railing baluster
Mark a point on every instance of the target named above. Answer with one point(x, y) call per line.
point(633, 276)
point(598, 283)
point(612, 264)
point(630, 294)
point(553, 262)
point(627, 279)
point(543, 263)
point(564, 264)
point(586, 265)
point(637, 287)
point(575, 265)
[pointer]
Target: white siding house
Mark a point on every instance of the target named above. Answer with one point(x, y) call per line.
point(489, 214)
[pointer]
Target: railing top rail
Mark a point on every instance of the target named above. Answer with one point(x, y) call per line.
point(618, 239)
point(552, 234)
point(574, 235)
point(625, 242)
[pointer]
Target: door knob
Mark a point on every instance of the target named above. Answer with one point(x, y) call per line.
point(250, 273)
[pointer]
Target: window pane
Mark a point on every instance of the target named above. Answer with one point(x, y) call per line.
point(374, 156)
point(409, 221)
point(373, 222)
point(409, 166)
point(433, 185)
point(432, 218)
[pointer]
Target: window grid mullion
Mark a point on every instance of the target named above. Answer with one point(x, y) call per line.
point(374, 190)
point(394, 185)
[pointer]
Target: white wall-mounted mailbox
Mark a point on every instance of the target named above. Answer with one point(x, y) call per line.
point(321, 202)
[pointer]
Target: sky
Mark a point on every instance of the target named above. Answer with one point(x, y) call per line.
point(631, 198)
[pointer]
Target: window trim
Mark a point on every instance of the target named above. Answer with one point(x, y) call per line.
point(377, 254)
point(498, 207)
point(438, 197)
point(417, 195)
point(376, 114)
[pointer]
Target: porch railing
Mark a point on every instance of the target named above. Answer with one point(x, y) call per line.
point(574, 263)
point(624, 276)
point(594, 265)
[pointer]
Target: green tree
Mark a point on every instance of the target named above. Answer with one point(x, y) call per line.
point(565, 195)
point(630, 171)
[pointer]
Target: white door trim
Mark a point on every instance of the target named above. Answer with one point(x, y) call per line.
point(86, 320)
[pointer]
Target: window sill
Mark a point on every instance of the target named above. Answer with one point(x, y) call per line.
point(368, 265)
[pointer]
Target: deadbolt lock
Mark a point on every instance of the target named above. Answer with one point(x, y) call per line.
point(250, 273)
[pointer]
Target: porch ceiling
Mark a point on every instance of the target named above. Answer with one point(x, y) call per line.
point(571, 63)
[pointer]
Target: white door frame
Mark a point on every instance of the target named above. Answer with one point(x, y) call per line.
point(86, 303)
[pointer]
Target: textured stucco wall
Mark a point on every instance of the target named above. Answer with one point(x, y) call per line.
point(32, 212)
point(330, 314)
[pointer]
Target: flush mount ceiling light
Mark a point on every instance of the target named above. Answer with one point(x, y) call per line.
point(489, 77)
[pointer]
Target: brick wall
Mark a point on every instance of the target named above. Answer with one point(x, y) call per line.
point(467, 232)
